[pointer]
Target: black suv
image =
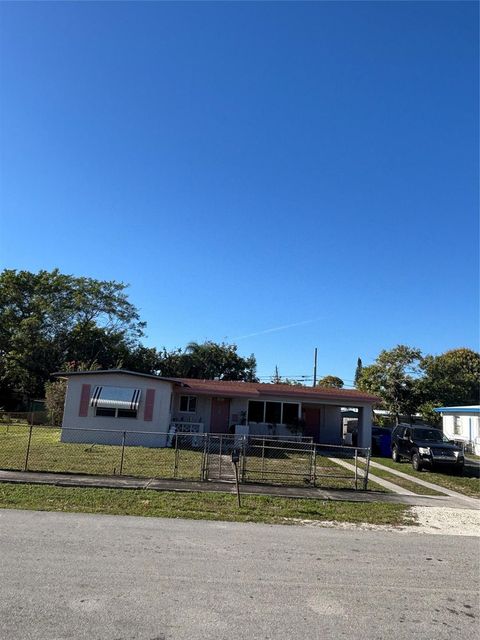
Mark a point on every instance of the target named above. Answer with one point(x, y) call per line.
point(426, 447)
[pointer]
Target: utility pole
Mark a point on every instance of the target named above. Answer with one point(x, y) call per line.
point(315, 368)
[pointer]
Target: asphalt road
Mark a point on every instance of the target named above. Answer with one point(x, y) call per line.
point(75, 576)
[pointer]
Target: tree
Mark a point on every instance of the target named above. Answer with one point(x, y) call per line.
point(358, 371)
point(331, 381)
point(55, 400)
point(394, 377)
point(208, 360)
point(48, 318)
point(449, 379)
point(276, 378)
point(216, 361)
point(56, 391)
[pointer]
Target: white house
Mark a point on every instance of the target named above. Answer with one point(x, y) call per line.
point(462, 424)
point(100, 405)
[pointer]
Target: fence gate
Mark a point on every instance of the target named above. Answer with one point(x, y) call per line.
point(218, 458)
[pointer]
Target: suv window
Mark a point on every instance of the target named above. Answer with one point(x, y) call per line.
point(430, 435)
point(407, 433)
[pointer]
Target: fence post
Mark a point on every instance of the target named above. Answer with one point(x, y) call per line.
point(220, 458)
point(206, 453)
point(314, 450)
point(175, 457)
point(263, 458)
point(356, 469)
point(243, 458)
point(28, 447)
point(123, 453)
point(367, 467)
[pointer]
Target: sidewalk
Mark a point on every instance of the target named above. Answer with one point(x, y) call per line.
point(156, 484)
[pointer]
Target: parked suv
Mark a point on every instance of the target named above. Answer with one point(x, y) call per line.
point(426, 447)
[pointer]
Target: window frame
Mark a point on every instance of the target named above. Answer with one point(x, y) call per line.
point(189, 401)
point(280, 402)
point(133, 416)
point(457, 426)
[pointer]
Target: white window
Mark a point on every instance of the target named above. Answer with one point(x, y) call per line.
point(188, 404)
point(457, 425)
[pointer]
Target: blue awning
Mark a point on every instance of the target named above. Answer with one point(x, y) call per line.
point(471, 409)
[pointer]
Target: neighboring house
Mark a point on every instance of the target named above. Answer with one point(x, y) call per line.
point(115, 400)
point(462, 424)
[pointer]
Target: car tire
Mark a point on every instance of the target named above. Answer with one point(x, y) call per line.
point(416, 462)
point(458, 469)
point(396, 455)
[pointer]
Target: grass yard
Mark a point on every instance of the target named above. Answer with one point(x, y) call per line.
point(197, 506)
point(468, 484)
point(409, 485)
point(47, 453)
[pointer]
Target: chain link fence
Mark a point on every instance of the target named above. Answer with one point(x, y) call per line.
point(186, 456)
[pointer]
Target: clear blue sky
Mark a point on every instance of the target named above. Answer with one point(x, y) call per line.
point(250, 166)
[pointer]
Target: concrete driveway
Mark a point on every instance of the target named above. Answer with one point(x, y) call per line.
point(76, 576)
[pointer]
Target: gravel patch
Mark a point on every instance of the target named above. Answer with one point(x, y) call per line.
point(428, 520)
point(447, 521)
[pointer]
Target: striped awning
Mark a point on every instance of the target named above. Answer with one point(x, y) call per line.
point(116, 398)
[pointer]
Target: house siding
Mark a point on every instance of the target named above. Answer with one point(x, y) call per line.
point(74, 425)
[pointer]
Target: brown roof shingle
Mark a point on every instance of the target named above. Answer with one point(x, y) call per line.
point(251, 389)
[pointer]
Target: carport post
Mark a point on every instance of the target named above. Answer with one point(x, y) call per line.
point(123, 453)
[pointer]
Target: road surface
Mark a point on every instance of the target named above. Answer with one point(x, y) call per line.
point(77, 576)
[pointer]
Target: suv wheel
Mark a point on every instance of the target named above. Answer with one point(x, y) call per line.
point(416, 462)
point(395, 455)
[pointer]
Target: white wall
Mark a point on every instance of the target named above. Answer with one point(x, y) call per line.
point(160, 420)
point(202, 413)
point(331, 425)
point(469, 426)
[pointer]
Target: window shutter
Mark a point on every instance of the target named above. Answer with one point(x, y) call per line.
point(84, 401)
point(149, 402)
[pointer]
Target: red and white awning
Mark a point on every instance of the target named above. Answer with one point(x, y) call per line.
point(116, 398)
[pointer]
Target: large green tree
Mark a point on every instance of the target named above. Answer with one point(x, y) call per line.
point(49, 318)
point(451, 378)
point(209, 360)
point(394, 377)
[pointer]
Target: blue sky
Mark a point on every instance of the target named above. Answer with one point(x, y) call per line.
point(252, 166)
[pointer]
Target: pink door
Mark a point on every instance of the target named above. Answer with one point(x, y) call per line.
point(220, 415)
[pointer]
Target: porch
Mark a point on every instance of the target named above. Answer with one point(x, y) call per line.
point(278, 418)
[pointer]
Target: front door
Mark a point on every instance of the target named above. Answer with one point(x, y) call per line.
point(312, 422)
point(220, 415)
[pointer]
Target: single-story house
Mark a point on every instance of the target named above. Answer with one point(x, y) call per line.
point(462, 424)
point(112, 401)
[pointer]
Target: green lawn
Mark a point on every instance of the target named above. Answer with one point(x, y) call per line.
point(47, 453)
point(410, 485)
point(198, 505)
point(468, 484)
